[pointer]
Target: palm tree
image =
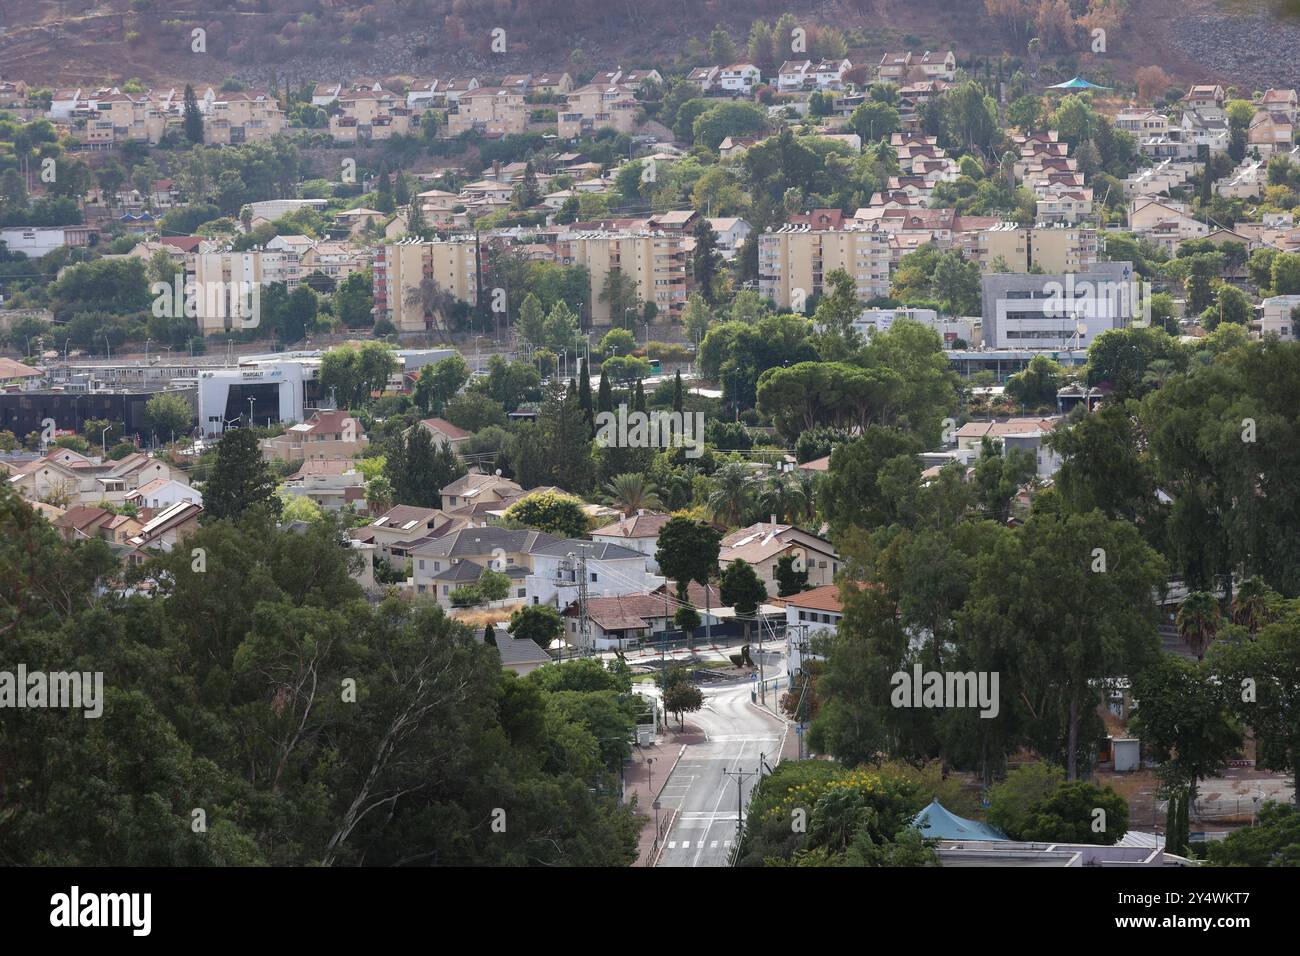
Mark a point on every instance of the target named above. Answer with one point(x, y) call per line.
point(433, 301)
point(784, 498)
point(732, 491)
point(1250, 606)
point(1158, 372)
point(1198, 622)
point(631, 492)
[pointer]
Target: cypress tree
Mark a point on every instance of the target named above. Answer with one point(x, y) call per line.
point(585, 397)
point(193, 122)
point(678, 396)
point(638, 398)
point(605, 394)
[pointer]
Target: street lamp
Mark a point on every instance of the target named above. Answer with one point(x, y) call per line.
point(103, 440)
point(250, 411)
point(146, 350)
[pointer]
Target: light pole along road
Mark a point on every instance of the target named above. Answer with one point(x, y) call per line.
point(737, 733)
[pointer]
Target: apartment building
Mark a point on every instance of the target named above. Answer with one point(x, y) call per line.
point(596, 106)
point(247, 116)
point(223, 282)
point(490, 110)
point(653, 259)
point(794, 261)
point(400, 268)
point(370, 113)
point(1049, 247)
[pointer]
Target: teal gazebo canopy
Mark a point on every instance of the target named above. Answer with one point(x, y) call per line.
point(936, 823)
point(1078, 83)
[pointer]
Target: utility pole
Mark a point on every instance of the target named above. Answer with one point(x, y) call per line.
point(741, 776)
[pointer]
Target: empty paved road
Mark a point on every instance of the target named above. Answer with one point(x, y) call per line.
point(700, 791)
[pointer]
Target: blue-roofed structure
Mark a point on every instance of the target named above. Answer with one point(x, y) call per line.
point(1078, 83)
point(937, 823)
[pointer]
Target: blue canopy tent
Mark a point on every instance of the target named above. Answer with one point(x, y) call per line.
point(936, 823)
point(1078, 83)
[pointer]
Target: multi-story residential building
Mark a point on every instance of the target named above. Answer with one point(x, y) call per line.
point(401, 267)
point(247, 116)
point(655, 260)
point(793, 262)
point(400, 528)
point(1007, 246)
point(1205, 99)
point(223, 283)
point(1057, 311)
point(490, 110)
point(596, 106)
point(370, 113)
point(64, 475)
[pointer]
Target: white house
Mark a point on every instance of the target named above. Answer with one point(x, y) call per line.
point(163, 493)
point(732, 232)
point(1275, 316)
point(612, 570)
point(792, 75)
point(808, 615)
point(639, 532)
point(740, 78)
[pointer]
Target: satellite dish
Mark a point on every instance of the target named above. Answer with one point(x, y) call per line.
point(1081, 328)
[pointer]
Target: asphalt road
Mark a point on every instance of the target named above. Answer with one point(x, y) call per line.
point(736, 733)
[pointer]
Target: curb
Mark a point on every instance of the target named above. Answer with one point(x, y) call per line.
point(669, 774)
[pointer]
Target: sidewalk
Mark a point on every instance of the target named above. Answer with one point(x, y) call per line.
point(646, 780)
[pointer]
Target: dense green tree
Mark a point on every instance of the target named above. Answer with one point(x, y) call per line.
point(240, 478)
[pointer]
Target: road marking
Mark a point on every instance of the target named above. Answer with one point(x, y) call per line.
point(713, 845)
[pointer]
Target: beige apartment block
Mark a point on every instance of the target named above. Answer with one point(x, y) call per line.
point(1052, 248)
point(655, 261)
point(596, 106)
point(251, 116)
point(489, 110)
point(401, 267)
point(794, 261)
point(220, 280)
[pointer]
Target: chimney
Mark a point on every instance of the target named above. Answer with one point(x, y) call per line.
point(774, 521)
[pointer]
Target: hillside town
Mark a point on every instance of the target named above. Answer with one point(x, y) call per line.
point(903, 444)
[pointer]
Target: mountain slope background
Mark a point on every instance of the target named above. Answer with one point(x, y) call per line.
point(87, 43)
